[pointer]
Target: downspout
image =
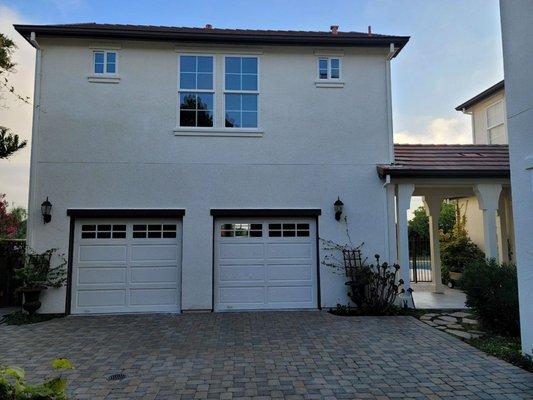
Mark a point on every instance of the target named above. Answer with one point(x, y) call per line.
point(33, 214)
point(388, 216)
point(390, 55)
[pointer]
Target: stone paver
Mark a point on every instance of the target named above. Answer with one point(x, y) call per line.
point(279, 355)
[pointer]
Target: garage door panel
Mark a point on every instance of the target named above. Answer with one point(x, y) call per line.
point(289, 250)
point(290, 294)
point(289, 272)
point(231, 251)
point(242, 295)
point(101, 298)
point(154, 274)
point(154, 253)
point(104, 253)
point(96, 275)
point(153, 297)
point(239, 273)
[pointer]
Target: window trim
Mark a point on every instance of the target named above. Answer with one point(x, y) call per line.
point(328, 82)
point(489, 127)
point(211, 91)
point(106, 52)
point(231, 91)
point(104, 77)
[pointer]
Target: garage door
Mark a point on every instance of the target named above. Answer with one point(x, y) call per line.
point(265, 264)
point(126, 266)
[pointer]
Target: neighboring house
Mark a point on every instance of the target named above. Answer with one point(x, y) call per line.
point(487, 110)
point(196, 168)
point(517, 34)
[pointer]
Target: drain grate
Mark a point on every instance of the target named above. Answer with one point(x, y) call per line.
point(115, 377)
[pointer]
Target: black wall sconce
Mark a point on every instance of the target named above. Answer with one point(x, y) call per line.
point(46, 208)
point(337, 206)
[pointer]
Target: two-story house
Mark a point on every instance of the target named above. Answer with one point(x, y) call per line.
point(489, 127)
point(197, 168)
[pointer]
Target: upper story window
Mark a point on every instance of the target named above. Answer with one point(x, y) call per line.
point(495, 124)
point(196, 91)
point(241, 92)
point(329, 68)
point(105, 62)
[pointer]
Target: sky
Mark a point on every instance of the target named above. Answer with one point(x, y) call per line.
point(453, 54)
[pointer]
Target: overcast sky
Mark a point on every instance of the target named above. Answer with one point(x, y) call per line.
point(454, 53)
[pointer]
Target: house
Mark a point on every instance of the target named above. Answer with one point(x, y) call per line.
point(517, 32)
point(197, 168)
point(489, 127)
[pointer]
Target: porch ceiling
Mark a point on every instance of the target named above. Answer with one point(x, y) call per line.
point(447, 161)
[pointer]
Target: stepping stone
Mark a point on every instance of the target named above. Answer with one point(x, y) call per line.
point(442, 327)
point(431, 323)
point(455, 326)
point(441, 322)
point(469, 321)
point(462, 334)
point(460, 314)
point(426, 317)
point(448, 318)
point(429, 315)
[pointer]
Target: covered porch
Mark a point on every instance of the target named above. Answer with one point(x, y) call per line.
point(436, 173)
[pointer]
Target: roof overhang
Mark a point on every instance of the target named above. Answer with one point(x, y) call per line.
point(481, 97)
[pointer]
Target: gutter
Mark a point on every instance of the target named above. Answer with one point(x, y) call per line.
point(33, 213)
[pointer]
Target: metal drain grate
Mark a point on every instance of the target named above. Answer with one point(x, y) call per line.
point(115, 377)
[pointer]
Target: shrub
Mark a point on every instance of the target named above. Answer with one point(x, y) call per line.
point(492, 292)
point(38, 272)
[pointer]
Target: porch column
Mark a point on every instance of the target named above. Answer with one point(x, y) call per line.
point(488, 196)
point(404, 191)
point(432, 204)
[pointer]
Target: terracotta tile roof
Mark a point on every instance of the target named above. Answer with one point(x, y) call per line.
point(218, 35)
point(441, 160)
point(481, 96)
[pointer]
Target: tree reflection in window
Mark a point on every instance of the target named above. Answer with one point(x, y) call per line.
point(196, 109)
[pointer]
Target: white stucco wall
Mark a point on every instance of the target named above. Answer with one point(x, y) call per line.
point(517, 32)
point(479, 117)
point(113, 146)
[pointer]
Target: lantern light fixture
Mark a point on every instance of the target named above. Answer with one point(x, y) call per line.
point(338, 206)
point(46, 210)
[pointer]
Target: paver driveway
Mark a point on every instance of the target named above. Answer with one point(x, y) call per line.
point(291, 355)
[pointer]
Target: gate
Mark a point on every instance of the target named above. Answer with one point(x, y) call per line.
point(11, 257)
point(419, 259)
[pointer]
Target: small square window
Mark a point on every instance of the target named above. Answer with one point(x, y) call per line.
point(105, 62)
point(329, 68)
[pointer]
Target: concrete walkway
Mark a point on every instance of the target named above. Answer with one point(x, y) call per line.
point(290, 355)
point(424, 298)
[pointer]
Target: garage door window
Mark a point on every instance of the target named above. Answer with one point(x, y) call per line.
point(103, 231)
point(241, 230)
point(154, 231)
point(288, 230)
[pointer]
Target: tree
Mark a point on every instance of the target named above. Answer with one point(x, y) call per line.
point(9, 142)
point(8, 222)
point(420, 222)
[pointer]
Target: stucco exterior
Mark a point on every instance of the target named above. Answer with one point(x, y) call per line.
point(113, 145)
point(517, 32)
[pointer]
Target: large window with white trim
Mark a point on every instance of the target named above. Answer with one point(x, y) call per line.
point(495, 124)
point(196, 91)
point(241, 91)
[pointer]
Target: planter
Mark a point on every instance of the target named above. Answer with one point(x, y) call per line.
point(31, 299)
point(454, 278)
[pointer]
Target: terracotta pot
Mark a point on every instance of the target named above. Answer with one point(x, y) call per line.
point(31, 299)
point(456, 276)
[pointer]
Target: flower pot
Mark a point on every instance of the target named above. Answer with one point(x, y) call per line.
point(454, 278)
point(31, 299)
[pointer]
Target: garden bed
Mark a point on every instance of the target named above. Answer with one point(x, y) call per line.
point(20, 318)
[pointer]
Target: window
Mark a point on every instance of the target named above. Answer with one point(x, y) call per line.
point(329, 68)
point(241, 230)
point(104, 231)
point(288, 230)
point(105, 62)
point(154, 231)
point(241, 92)
point(196, 91)
point(495, 124)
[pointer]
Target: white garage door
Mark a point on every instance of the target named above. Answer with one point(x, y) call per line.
point(126, 266)
point(265, 264)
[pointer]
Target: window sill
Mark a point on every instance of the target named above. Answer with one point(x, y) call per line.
point(329, 84)
point(103, 79)
point(218, 132)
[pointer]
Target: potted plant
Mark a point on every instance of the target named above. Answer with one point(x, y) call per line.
point(38, 274)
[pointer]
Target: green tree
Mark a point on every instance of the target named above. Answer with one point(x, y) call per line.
point(9, 142)
point(420, 222)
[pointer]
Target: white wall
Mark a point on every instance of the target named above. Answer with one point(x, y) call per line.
point(517, 32)
point(113, 146)
point(479, 117)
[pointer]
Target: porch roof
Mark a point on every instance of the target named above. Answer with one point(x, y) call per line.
point(448, 161)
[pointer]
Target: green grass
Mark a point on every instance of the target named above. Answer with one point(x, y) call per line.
point(20, 318)
point(505, 348)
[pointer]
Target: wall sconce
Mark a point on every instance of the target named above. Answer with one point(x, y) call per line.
point(337, 206)
point(46, 208)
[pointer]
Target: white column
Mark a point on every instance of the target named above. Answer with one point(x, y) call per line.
point(432, 204)
point(488, 196)
point(404, 191)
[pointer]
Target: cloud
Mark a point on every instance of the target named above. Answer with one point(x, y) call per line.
point(437, 131)
point(14, 114)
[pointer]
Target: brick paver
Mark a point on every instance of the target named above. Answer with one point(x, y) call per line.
point(263, 355)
